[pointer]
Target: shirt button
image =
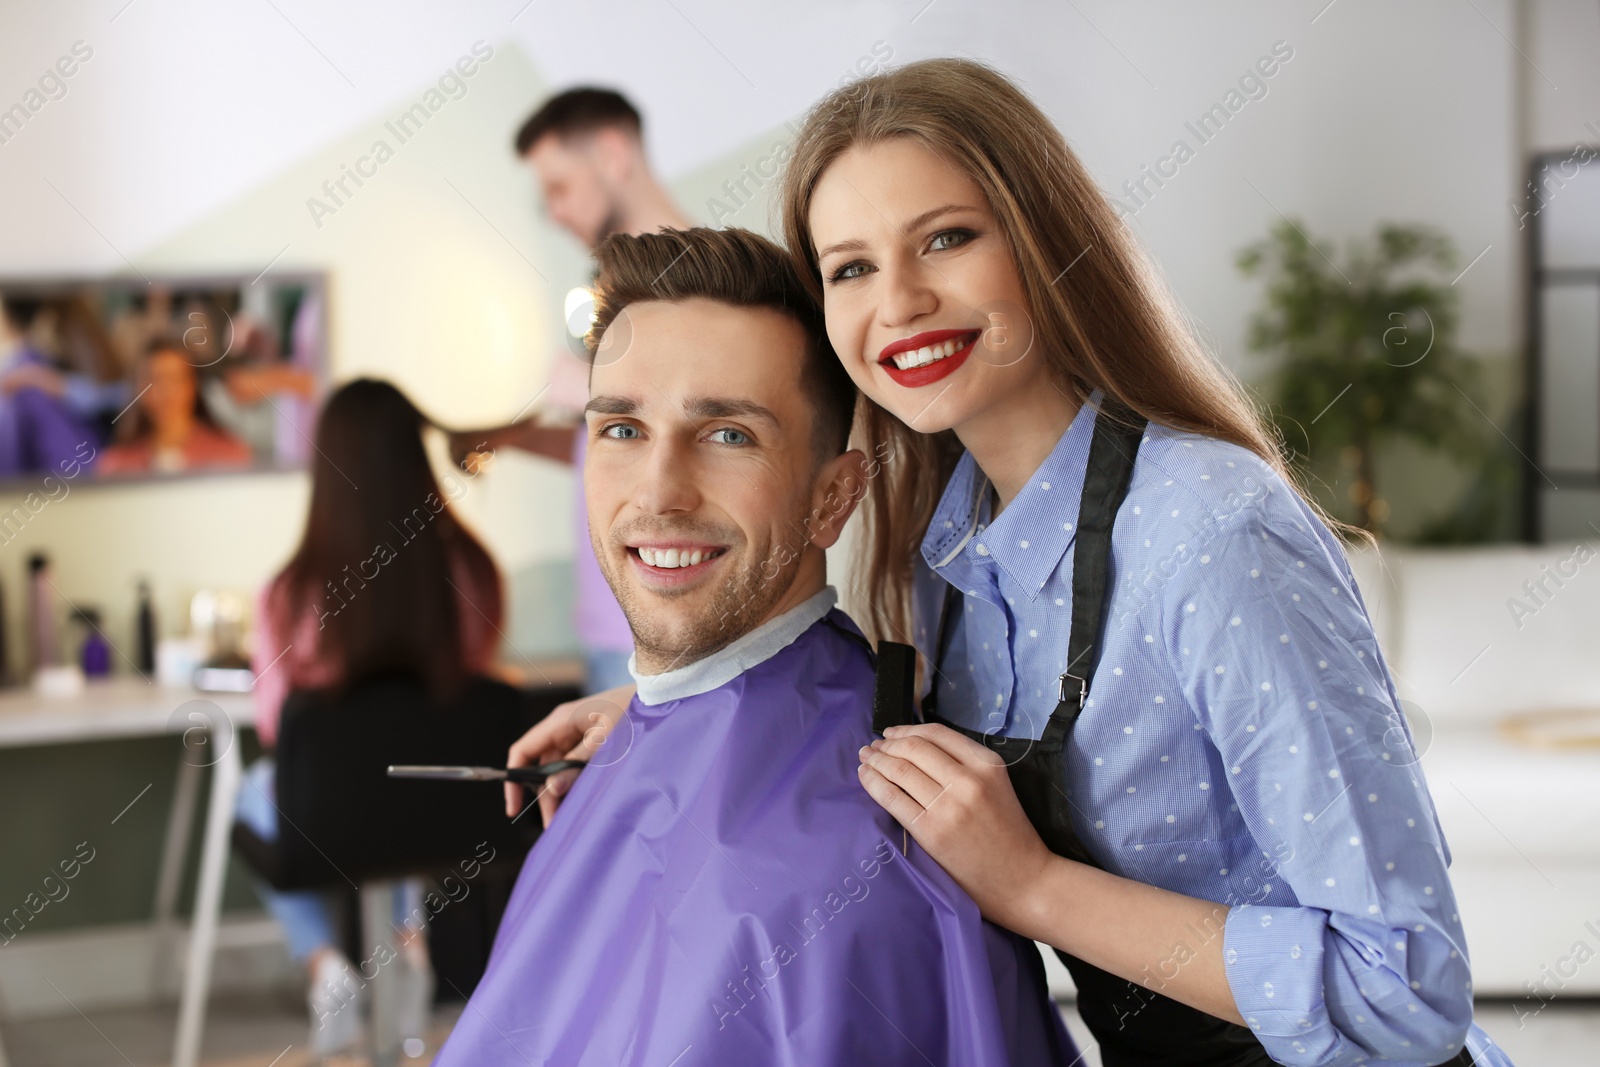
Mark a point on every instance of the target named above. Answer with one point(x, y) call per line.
point(983, 550)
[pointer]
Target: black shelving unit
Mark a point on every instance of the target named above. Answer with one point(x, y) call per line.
point(1561, 429)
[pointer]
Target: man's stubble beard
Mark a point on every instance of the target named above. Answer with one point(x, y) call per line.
point(737, 606)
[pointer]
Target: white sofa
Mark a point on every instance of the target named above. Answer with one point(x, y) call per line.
point(1522, 821)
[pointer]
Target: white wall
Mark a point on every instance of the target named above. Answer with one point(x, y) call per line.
point(194, 134)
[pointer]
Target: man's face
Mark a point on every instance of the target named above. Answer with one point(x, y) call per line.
point(700, 475)
point(576, 180)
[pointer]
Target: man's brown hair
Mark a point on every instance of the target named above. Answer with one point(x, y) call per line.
point(735, 267)
point(579, 111)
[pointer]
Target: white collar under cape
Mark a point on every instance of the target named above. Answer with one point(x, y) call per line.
point(727, 663)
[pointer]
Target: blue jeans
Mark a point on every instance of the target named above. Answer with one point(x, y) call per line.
point(307, 915)
point(606, 669)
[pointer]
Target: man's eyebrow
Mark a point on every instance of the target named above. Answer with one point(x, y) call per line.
point(612, 405)
point(719, 407)
point(910, 227)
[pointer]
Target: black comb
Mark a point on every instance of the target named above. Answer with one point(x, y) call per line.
point(894, 695)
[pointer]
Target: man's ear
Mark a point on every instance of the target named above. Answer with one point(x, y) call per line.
point(840, 484)
point(615, 152)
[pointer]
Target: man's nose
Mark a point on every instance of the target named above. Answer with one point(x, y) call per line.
point(668, 479)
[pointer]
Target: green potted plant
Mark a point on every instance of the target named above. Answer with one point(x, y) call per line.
point(1366, 356)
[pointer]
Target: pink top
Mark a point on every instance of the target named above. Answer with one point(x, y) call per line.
point(282, 663)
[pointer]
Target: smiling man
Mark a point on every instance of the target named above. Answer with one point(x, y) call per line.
point(718, 888)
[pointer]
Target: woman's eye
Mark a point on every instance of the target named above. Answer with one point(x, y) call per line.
point(620, 431)
point(848, 271)
point(735, 437)
point(945, 239)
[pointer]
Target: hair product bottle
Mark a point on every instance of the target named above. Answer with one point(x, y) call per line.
point(44, 636)
point(145, 624)
point(5, 634)
point(96, 655)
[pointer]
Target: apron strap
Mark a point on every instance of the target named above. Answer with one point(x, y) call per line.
point(1117, 433)
point(1109, 471)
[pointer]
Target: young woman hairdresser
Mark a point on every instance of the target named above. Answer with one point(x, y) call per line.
point(1147, 737)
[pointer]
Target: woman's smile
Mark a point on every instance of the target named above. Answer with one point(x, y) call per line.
point(928, 356)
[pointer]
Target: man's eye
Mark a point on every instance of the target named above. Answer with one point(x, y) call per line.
point(620, 431)
point(734, 437)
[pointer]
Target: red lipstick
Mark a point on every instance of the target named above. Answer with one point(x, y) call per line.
point(928, 373)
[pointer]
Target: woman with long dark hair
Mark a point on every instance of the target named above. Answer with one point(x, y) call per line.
point(1149, 681)
point(172, 429)
point(386, 581)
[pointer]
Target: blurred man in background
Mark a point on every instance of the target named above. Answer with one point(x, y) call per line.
point(586, 149)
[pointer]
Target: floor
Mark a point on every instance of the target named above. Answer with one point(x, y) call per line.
point(240, 1032)
point(271, 1033)
point(1562, 1035)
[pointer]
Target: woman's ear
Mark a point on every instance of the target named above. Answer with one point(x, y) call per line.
point(840, 484)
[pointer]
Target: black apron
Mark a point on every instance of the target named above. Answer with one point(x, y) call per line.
point(1135, 1026)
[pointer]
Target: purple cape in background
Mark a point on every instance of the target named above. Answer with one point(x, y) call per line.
point(719, 889)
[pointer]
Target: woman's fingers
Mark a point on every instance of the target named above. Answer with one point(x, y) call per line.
point(924, 754)
point(550, 794)
point(552, 735)
point(956, 745)
point(898, 766)
point(889, 796)
point(573, 730)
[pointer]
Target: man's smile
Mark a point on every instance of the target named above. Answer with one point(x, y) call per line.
point(674, 564)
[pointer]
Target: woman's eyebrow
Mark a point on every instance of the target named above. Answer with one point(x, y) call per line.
point(913, 225)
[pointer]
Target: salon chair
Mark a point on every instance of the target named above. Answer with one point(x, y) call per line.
point(344, 824)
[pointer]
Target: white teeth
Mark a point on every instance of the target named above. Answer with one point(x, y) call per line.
point(921, 357)
point(669, 558)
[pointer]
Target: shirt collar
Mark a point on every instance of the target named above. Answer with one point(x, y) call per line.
point(1028, 538)
point(732, 660)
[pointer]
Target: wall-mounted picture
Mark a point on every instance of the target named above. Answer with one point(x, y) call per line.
point(129, 378)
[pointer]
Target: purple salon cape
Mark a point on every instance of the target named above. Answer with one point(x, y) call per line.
point(719, 889)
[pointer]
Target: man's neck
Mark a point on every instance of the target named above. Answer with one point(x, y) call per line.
point(809, 580)
point(649, 209)
point(717, 669)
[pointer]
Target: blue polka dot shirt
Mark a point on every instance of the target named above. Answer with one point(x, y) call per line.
point(1241, 741)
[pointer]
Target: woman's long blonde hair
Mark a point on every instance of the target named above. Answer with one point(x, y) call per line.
point(1102, 318)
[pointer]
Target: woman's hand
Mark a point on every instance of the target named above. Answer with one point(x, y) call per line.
point(955, 797)
point(574, 730)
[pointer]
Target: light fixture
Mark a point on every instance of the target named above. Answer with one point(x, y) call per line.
point(579, 311)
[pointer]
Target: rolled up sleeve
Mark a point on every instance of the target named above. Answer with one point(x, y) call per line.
point(1357, 953)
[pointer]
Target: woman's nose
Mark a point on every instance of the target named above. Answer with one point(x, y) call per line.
point(907, 294)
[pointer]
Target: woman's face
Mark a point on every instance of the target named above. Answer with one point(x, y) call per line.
point(923, 300)
point(170, 396)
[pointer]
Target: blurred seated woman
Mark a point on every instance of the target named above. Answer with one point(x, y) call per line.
point(432, 612)
point(173, 429)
